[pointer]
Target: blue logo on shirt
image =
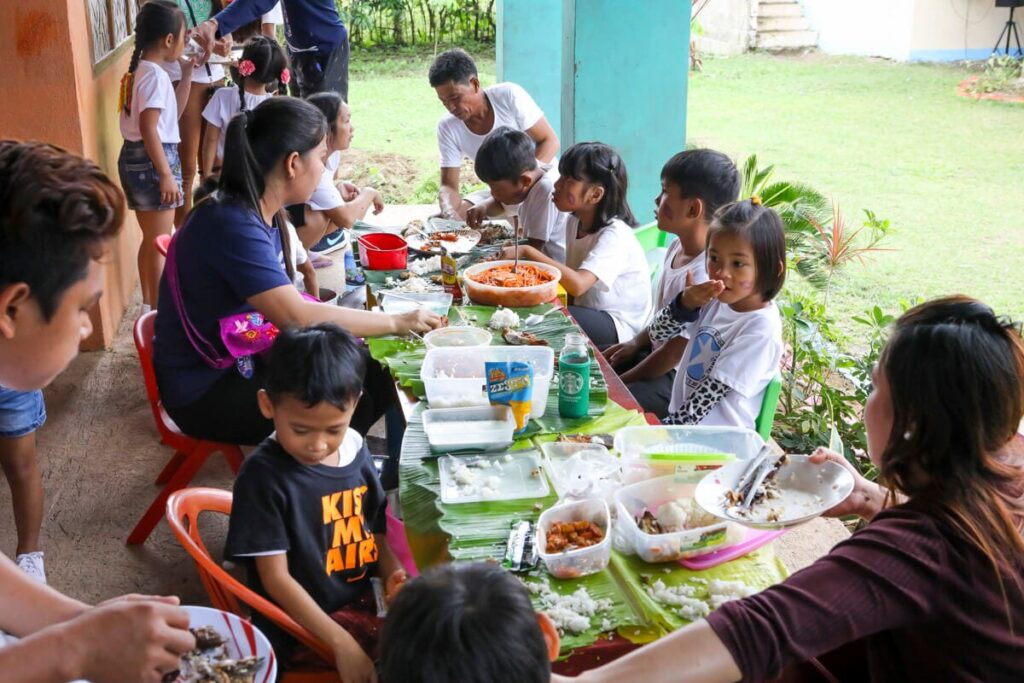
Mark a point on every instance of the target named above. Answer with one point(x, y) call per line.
point(703, 355)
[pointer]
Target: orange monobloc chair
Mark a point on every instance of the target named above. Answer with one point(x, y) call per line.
point(162, 242)
point(189, 453)
point(225, 591)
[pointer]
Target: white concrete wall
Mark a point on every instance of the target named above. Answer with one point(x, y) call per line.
point(876, 28)
point(728, 27)
point(914, 30)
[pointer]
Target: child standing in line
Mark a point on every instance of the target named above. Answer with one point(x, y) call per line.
point(605, 269)
point(335, 205)
point(694, 185)
point(308, 511)
point(735, 330)
point(22, 413)
point(148, 165)
point(507, 162)
point(262, 65)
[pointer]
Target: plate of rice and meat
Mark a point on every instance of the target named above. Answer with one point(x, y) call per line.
point(228, 649)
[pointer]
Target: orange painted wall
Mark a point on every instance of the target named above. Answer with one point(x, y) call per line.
point(52, 92)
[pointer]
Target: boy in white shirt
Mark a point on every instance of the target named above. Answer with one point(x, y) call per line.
point(473, 112)
point(694, 185)
point(507, 162)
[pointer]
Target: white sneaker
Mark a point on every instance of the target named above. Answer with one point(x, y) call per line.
point(32, 564)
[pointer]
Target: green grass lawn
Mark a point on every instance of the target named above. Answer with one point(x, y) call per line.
point(948, 173)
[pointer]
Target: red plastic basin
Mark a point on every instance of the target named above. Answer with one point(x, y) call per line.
point(383, 251)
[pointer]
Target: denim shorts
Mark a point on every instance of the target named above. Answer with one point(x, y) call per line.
point(139, 179)
point(21, 412)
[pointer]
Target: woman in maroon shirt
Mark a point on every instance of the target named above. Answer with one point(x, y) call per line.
point(933, 588)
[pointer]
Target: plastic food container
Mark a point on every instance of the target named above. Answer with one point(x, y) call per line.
point(467, 429)
point(630, 503)
point(383, 251)
point(688, 452)
point(515, 476)
point(462, 336)
point(510, 297)
point(582, 470)
point(581, 561)
point(457, 374)
point(402, 302)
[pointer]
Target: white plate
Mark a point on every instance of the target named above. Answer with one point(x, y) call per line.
point(806, 491)
point(243, 639)
point(467, 239)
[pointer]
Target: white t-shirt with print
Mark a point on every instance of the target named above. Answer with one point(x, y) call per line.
point(623, 288)
point(740, 350)
point(223, 105)
point(152, 90)
point(539, 218)
point(513, 107)
point(672, 281)
point(326, 195)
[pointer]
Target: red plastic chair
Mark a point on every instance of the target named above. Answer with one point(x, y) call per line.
point(189, 453)
point(228, 593)
point(162, 242)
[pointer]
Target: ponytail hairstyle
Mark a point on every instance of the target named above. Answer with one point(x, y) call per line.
point(761, 227)
point(329, 103)
point(259, 139)
point(597, 163)
point(955, 373)
point(262, 61)
point(155, 20)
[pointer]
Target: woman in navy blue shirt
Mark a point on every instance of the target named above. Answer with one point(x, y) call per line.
point(228, 261)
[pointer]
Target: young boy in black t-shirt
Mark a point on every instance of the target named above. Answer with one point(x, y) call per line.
point(308, 512)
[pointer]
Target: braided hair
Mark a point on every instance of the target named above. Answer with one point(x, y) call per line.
point(155, 20)
point(266, 60)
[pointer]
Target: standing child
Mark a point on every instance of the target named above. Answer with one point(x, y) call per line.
point(335, 205)
point(262, 65)
point(148, 165)
point(694, 185)
point(507, 162)
point(308, 511)
point(735, 330)
point(605, 269)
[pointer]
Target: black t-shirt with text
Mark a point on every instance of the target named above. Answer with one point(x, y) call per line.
point(322, 516)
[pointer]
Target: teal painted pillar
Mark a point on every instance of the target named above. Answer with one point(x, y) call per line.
point(529, 51)
point(619, 70)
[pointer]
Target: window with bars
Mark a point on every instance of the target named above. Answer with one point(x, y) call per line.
point(110, 23)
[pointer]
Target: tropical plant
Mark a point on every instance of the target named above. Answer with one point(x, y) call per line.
point(1001, 74)
point(418, 22)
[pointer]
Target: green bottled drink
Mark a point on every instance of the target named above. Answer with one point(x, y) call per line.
point(574, 377)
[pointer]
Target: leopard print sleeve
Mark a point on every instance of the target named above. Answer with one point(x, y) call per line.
point(702, 400)
point(671, 321)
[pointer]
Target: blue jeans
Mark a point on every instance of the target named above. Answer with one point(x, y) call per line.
point(21, 412)
point(139, 178)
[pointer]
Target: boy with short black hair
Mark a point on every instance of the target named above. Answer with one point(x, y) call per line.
point(308, 516)
point(507, 162)
point(466, 623)
point(58, 215)
point(694, 185)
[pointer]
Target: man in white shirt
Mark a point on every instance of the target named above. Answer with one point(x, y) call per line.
point(473, 112)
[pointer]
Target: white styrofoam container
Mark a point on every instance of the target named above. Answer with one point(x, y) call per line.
point(637, 445)
point(581, 561)
point(632, 500)
point(452, 372)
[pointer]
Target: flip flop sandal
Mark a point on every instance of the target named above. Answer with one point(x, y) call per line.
point(354, 277)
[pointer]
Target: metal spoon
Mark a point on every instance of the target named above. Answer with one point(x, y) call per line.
point(515, 266)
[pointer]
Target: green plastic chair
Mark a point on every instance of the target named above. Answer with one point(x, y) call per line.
point(770, 403)
point(654, 242)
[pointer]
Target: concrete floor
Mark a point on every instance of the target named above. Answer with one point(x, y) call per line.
point(99, 455)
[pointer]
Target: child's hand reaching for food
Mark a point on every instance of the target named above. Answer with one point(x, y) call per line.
point(393, 585)
point(525, 252)
point(696, 296)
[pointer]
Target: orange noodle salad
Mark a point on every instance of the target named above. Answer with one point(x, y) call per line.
point(502, 276)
